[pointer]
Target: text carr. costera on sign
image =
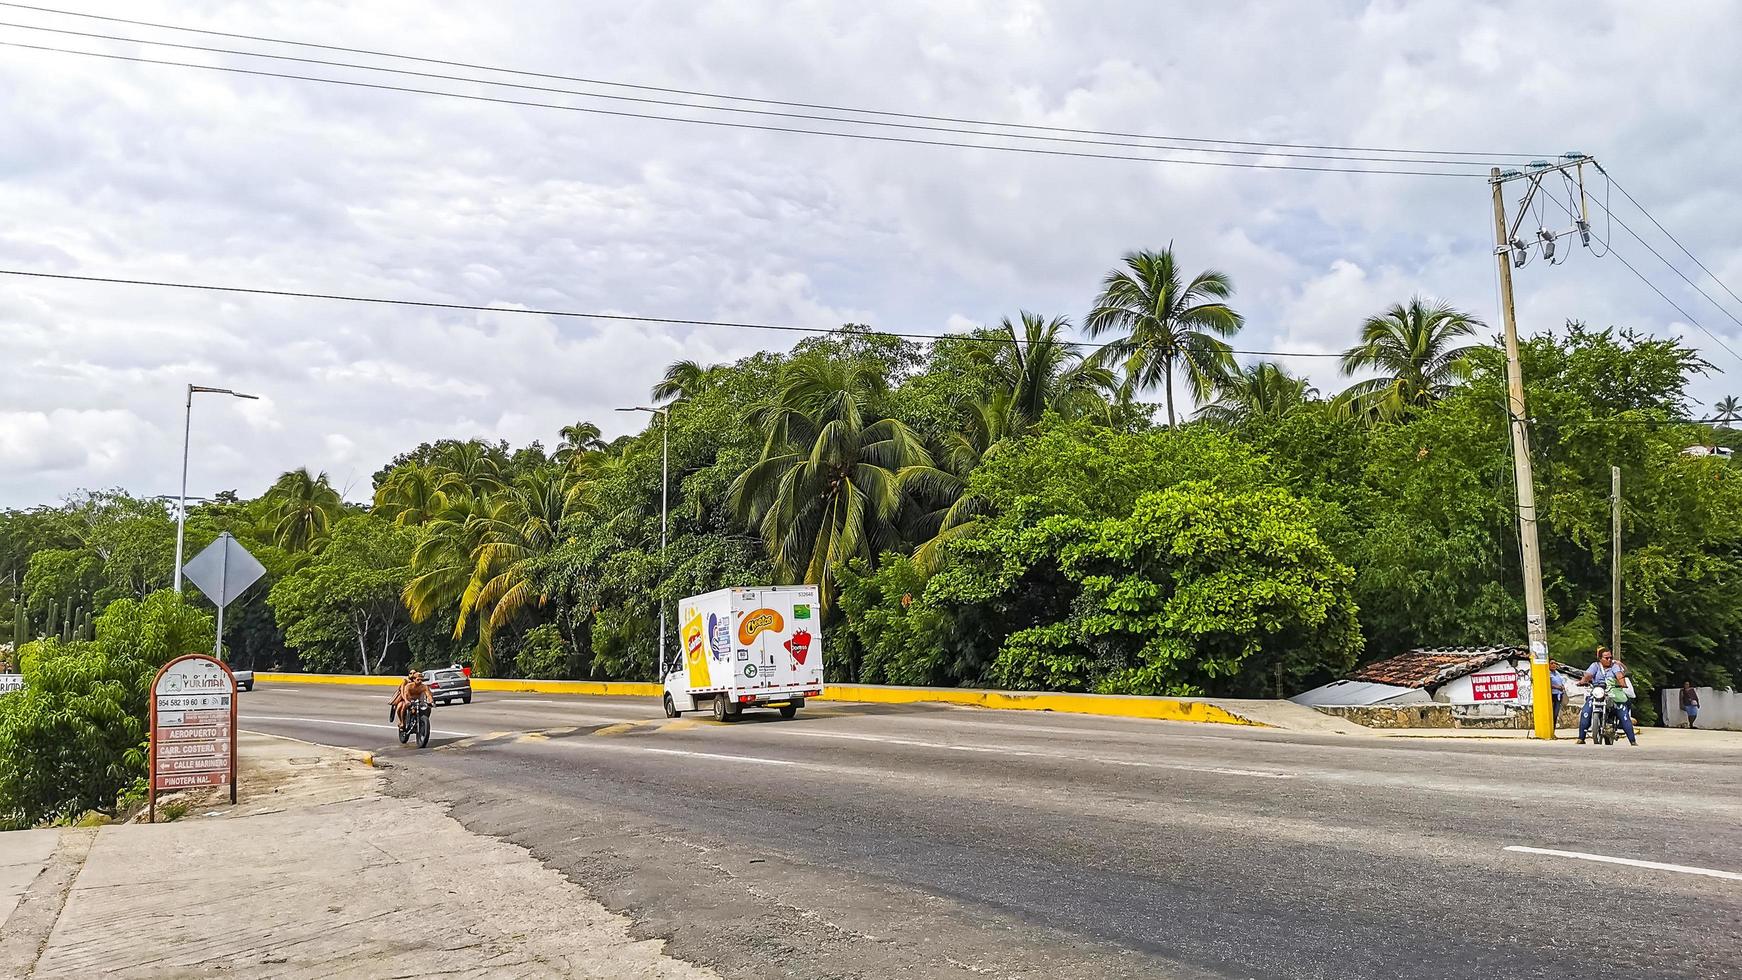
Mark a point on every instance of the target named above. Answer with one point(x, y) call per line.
point(193, 726)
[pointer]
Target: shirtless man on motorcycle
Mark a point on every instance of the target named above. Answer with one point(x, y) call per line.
point(410, 690)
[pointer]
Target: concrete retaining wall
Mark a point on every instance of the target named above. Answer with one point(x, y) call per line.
point(1438, 715)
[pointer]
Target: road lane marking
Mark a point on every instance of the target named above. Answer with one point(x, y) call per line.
point(998, 750)
point(727, 758)
point(1629, 862)
point(244, 719)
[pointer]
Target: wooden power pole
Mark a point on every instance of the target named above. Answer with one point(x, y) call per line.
point(1535, 621)
point(1615, 561)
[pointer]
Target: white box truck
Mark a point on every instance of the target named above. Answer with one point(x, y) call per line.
point(742, 648)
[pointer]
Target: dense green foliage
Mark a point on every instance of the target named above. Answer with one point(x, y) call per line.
point(998, 508)
point(75, 737)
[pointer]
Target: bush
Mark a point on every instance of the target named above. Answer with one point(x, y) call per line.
point(75, 737)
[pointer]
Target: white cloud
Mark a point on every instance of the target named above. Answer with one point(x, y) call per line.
point(154, 172)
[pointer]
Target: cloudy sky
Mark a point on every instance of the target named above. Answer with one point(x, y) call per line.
point(112, 168)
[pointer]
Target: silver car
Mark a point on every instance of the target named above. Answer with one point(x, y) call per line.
point(448, 685)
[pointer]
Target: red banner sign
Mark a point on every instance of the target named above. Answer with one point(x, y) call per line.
point(1494, 687)
point(193, 726)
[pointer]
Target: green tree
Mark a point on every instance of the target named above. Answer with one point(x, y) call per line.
point(343, 608)
point(1263, 390)
point(75, 736)
point(1037, 371)
point(415, 494)
point(827, 488)
point(1412, 345)
point(1199, 591)
point(684, 380)
point(1726, 410)
point(304, 508)
point(1165, 325)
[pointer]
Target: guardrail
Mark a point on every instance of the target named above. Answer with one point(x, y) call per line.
point(1115, 705)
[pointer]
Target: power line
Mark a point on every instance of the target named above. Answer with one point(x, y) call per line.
point(873, 137)
point(1666, 231)
point(572, 314)
point(1609, 244)
point(1684, 277)
point(754, 112)
point(747, 99)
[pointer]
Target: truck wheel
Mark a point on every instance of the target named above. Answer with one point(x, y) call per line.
point(671, 707)
point(722, 709)
point(788, 710)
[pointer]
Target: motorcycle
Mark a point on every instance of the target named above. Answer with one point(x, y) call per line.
point(1605, 715)
point(415, 722)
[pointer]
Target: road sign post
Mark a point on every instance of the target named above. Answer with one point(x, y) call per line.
point(193, 726)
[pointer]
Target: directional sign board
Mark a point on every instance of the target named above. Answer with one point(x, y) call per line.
point(193, 726)
point(224, 570)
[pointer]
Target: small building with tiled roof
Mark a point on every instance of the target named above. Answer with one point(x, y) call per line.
point(1490, 675)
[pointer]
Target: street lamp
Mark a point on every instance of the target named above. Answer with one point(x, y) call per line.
point(664, 414)
point(181, 510)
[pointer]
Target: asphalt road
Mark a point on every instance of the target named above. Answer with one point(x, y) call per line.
point(869, 841)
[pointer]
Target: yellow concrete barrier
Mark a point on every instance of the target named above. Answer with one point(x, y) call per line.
point(1114, 705)
point(608, 689)
point(1117, 705)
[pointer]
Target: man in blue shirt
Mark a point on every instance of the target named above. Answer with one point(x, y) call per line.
point(1605, 671)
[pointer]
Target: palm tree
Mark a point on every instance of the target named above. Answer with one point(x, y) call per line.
point(303, 508)
point(414, 494)
point(1412, 345)
point(474, 465)
point(948, 510)
point(578, 439)
point(476, 557)
point(1727, 410)
point(1166, 324)
point(828, 485)
point(1038, 371)
point(1264, 390)
point(685, 380)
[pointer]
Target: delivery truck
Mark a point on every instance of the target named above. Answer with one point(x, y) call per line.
point(747, 648)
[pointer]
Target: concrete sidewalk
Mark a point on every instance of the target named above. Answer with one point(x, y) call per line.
point(315, 873)
point(1714, 740)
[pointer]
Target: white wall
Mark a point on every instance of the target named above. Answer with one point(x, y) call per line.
point(1718, 709)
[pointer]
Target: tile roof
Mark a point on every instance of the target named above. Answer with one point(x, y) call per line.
point(1426, 668)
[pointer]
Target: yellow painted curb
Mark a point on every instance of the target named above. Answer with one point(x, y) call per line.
point(1116, 705)
point(1113, 705)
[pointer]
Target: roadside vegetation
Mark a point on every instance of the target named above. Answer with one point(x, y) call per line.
point(1142, 513)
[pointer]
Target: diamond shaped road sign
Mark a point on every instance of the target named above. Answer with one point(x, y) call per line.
point(224, 570)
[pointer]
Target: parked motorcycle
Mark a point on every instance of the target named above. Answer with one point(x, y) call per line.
point(1605, 715)
point(415, 722)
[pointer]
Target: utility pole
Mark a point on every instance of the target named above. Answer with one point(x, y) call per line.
point(1536, 625)
point(1615, 561)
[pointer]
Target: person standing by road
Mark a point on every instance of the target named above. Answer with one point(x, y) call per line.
point(1557, 684)
point(1690, 702)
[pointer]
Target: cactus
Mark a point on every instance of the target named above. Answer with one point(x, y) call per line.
point(48, 625)
point(20, 626)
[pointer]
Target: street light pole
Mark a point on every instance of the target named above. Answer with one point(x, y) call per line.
point(664, 414)
point(181, 507)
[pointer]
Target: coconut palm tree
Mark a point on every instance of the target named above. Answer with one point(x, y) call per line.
point(1264, 390)
point(685, 380)
point(303, 508)
point(414, 494)
point(578, 439)
point(476, 557)
point(1726, 410)
point(828, 485)
point(1165, 324)
point(1036, 367)
point(947, 510)
point(1412, 345)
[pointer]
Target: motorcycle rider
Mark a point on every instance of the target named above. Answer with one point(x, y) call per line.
point(411, 689)
point(1604, 670)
